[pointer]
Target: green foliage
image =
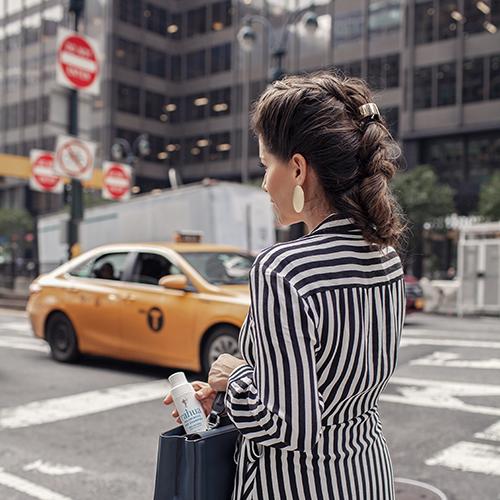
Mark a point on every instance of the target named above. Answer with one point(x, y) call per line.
point(14, 221)
point(489, 198)
point(421, 196)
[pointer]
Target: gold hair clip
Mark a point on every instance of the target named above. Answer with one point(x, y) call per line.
point(369, 110)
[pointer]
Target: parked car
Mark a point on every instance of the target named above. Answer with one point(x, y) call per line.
point(415, 301)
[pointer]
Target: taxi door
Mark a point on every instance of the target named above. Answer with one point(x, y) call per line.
point(157, 324)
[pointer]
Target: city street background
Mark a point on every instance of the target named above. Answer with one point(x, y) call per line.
point(90, 431)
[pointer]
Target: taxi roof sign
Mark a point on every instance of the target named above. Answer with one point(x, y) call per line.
point(188, 236)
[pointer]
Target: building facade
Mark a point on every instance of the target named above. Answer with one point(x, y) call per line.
point(175, 71)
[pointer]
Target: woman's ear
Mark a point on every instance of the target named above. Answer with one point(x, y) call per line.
point(299, 166)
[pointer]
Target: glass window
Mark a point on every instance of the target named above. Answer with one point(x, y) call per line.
point(157, 148)
point(473, 80)
point(197, 21)
point(348, 27)
point(149, 268)
point(220, 146)
point(447, 25)
point(173, 149)
point(130, 11)
point(383, 72)
point(447, 156)
point(128, 99)
point(391, 71)
point(156, 19)
point(351, 69)
point(128, 54)
point(474, 18)
point(174, 26)
point(195, 149)
point(424, 16)
point(422, 88)
point(196, 106)
point(173, 108)
point(176, 68)
point(30, 112)
point(483, 156)
point(155, 106)
point(220, 58)
point(195, 64)
point(391, 116)
point(375, 79)
point(495, 12)
point(384, 16)
point(446, 84)
point(109, 267)
point(495, 77)
point(51, 18)
point(220, 102)
point(221, 15)
point(221, 268)
point(12, 116)
point(31, 29)
point(155, 63)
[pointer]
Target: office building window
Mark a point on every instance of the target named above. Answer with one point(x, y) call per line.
point(495, 77)
point(384, 16)
point(195, 149)
point(155, 106)
point(197, 21)
point(130, 11)
point(155, 63)
point(495, 12)
point(350, 69)
point(128, 54)
point(157, 148)
point(347, 27)
point(447, 156)
point(128, 99)
point(383, 72)
point(220, 146)
point(173, 108)
point(221, 15)
point(391, 116)
point(12, 116)
point(422, 88)
point(474, 18)
point(52, 16)
point(128, 135)
point(447, 25)
point(31, 29)
point(424, 16)
point(156, 19)
point(446, 84)
point(173, 150)
point(195, 64)
point(391, 71)
point(220, 102)
point(30, 112)
point(45, 108)
point(175, 72)
point(174, 26)
point(483, 156)
point(375, 79)
point(473, 84)
point(220, 58)
point(196, 106)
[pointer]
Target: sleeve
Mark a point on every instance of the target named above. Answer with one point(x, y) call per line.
point(277, 402)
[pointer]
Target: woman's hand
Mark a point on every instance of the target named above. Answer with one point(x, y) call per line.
point(221, 369)
point(204, 393)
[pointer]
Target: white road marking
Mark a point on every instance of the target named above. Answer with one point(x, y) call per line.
point(469, 457)
point(52, 469)
point(450, 342)
point(86, 403)
point(492, 433)
point(29, 488)
point(22, 328)
point(23, 343)
point(452, 360)
point(420, 484)
point(437, 394)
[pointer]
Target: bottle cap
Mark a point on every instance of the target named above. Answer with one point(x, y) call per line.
point(177, 378)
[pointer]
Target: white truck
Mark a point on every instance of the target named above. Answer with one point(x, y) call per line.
point(224, 212)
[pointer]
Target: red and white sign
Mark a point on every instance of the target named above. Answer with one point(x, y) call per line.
point(78, 62)
point(74, 158)
point(116, 181)
point(43, 177)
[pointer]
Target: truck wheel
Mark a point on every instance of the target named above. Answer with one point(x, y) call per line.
point(223, 338)
point(62, 339)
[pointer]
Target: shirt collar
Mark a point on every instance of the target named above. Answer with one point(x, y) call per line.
point(336, 223)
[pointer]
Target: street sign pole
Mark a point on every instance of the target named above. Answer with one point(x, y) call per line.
point(76, 196)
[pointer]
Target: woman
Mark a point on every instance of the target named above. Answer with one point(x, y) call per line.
point(320, 340)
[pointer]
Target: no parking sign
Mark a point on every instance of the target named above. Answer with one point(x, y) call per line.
point(74, 158)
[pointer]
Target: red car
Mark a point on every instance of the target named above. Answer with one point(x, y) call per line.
point(414, 295)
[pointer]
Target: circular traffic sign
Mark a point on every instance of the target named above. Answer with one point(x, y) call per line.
point(43, 172)
point(74, 158)
point(117, 181)
point(78, 61)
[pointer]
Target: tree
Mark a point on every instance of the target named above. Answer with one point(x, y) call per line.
point(422, 199)
point(14, 221)
point(489, 198)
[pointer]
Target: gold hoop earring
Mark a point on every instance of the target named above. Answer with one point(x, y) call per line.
point(298, 199)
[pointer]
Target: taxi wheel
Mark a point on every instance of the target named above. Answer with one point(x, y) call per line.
point(61, 337)
point(220, 340)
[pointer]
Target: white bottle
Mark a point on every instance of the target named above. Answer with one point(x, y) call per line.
point(190, 410)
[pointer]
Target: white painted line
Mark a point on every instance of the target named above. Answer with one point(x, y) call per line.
point(437, 394)
point(86, 403)
point(52, 469)
point(4, 311)
point(452, 360)
point(450, 342)
point(469, 457)
point(420, 484)
point(29, 488)
point(23, 328)
point(22, 343)
point(492, 433)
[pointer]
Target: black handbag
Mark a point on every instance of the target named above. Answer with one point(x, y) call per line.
point(198, 466)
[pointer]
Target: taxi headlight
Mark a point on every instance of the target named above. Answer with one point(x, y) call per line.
point(35, 288)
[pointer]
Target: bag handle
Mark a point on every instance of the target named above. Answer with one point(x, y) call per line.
point(218, 408)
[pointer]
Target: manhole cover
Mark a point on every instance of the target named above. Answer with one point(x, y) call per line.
point(409, 489)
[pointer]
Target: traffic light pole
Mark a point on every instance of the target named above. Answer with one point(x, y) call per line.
point(76, 195)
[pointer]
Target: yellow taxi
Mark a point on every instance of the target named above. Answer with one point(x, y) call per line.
point(173, 304)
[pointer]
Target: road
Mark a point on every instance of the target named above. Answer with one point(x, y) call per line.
point(89, 431)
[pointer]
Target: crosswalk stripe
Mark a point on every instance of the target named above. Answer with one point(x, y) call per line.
point(492, 433)
point(450, 342)
point(23, 343)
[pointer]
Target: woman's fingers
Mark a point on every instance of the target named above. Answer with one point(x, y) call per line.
point(168, 399)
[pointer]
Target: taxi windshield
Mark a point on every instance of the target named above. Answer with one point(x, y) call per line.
point(221, 268)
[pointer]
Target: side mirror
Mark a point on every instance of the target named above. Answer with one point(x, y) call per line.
point(174, 281)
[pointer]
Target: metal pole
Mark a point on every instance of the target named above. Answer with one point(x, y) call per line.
point(76, 195)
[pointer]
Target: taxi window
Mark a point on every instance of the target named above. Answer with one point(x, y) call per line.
point(109, 266)
point(221, 268)
point(149, 268)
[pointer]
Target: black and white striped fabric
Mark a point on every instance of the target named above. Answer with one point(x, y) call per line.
point(320, 343)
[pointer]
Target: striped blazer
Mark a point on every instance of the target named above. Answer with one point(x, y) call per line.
point(320, 343)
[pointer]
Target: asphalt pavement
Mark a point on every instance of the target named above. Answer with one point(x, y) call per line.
point(89, 431)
